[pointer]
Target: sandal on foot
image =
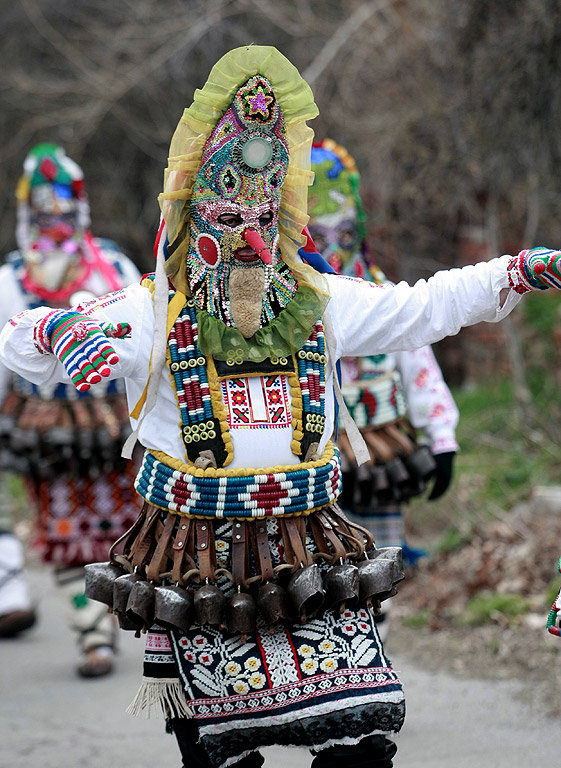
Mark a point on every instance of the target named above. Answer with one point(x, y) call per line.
point(97, 662)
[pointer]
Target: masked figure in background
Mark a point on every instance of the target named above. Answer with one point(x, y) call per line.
point(390, 397)
point(66, 444)
point(257, 593)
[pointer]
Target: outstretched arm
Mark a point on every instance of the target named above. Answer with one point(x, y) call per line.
point(107, 337)
point(372, 319)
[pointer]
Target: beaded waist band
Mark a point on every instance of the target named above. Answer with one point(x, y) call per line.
point(296, 489)
point(377, 401)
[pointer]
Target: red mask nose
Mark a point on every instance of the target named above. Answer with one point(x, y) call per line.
point(255, 241)
point(58, 232)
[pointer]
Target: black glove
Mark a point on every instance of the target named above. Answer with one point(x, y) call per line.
point(442, 474)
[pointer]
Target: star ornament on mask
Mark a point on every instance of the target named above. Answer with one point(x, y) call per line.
point(259, 103)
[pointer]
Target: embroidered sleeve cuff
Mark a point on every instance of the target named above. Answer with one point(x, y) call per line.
point(445, 445)
point(41, 331)
point(534, 269)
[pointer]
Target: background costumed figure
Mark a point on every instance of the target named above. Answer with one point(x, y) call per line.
point(256, 593)
point(66, 445)
point(391, 397)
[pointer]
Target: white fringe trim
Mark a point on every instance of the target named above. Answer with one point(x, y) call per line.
point(167, 695)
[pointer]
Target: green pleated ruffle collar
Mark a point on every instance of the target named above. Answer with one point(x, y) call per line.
point(283, 336)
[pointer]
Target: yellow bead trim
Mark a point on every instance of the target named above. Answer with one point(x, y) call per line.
point(297, 425)
point(191, 469)
point(219, 410)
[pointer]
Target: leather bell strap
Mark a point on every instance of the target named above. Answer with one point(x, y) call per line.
point(240, 553)
point(260, 545)
point(293, 530)
point(206, 551)
point(141, 546)
point(156, 564)
point(183, 548)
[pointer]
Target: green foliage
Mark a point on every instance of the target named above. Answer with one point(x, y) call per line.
point(453, 539)
point(499, 463)
point(552, 591)
point(542, 312)
point(21, 509)
point(486, 607)
point(417, 620)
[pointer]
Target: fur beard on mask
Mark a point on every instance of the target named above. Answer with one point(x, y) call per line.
point(247, 288)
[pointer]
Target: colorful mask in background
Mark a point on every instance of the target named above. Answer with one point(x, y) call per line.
point(53, 214)
point(335, 208)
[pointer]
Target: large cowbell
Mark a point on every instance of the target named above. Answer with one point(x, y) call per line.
point(305, 590)
point(342, 587)
point(210, 605)
point(122, 589)
point(173, 608)
point(100, 578)
point(272, 601)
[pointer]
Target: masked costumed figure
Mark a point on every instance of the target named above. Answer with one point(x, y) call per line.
point(259, 591)
point(67, 445)
point(390, 397)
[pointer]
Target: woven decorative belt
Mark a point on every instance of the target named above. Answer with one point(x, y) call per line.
point(376, 401)
point(297, 489)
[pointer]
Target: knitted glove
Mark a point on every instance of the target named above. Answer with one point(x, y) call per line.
point(535, 269)
point(552, 625)
point(442, 474)
point(80, 343)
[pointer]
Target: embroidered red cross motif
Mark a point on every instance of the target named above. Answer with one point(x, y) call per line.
point(274, 396)
point(239, 398)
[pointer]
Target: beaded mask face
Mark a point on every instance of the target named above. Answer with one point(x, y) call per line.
point(50, 229)
point(334, 210)
point(234, 264)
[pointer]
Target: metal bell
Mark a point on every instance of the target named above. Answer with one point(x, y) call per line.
point(100, 578)
point(396, 555)
point(397, 471)
point(376, 577)
point(305, 590)
point(272, 601)
point(241, 613)
point(421, 462)
point(342, 587)
point(140, 605)
point(380, 478)
point(121, 590)
point(173, 608)
point(209, 603)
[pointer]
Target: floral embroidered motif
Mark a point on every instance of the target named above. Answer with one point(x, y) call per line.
point(257, 403)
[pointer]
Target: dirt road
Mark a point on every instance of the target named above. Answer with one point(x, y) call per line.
point(51, 719)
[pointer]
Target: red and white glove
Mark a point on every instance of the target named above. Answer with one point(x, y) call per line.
point(80, 343)
point(535, 270)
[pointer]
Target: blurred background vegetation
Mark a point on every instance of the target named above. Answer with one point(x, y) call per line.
point(450, 107)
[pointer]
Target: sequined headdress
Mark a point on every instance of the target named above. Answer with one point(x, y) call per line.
point(257, 96)
point(294, 99)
